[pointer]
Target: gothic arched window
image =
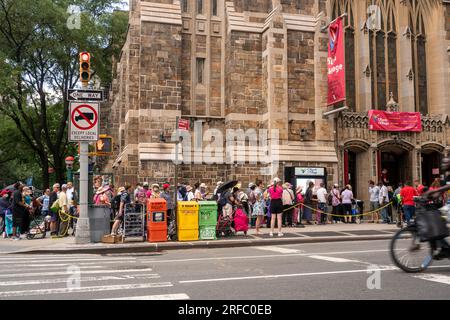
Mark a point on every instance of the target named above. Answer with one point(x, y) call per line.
point(340, 7)
point(383, 51)
point(416, 33)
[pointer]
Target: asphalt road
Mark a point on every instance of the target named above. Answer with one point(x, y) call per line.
point(335, 270)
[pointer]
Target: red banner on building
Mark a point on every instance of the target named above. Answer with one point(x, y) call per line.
point(336, 63)
point(394, 121)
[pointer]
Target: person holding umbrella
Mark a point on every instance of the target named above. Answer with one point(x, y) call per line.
point(276, 205)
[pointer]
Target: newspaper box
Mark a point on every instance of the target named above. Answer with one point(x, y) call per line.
point(156, 220)
point(207, 217)
point(187, 220)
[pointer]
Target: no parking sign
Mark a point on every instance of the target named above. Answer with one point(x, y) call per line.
point(83, 121)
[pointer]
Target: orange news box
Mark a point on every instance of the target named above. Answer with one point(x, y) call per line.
point(156, 220)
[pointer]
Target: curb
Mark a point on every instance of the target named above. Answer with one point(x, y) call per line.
point(155, 247)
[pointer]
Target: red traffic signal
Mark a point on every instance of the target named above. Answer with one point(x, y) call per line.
point(85, 67)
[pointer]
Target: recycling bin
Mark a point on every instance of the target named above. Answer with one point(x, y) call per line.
point(207, 220)
point(187, 220)
point(156, 220)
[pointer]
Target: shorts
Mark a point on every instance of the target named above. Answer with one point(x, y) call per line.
point(119, 217)
point(54, 217)
point(276, 206)
point(17, 219)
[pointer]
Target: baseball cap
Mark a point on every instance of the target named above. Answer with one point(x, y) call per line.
point(251, 184)
point(145, 184)
point(166, 186)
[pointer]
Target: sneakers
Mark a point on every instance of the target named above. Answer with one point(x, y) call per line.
point(280, 234)
point(271, 234)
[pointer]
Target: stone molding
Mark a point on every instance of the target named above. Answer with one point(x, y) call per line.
point(161, 13)
point(239, 21)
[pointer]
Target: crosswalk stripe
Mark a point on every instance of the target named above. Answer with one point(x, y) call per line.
point(434, 277)
point(84, 289)
point(55, 268)
point(275, 276)
point(175, 296)
point(278, 249)
point(332, 259)
point(35, 274)
point(83, 279)
point(15, 265)
point(60, 260)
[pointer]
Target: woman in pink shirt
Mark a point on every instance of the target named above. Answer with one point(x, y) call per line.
point(276, 205)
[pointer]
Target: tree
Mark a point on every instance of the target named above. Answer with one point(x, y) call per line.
point(39, 62)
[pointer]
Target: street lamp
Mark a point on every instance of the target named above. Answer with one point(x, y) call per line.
point(69, 166)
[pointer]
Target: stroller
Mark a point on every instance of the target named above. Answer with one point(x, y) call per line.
point(224, 226)
point(38, 226)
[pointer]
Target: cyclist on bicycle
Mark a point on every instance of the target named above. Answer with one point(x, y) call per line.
point(445, 166)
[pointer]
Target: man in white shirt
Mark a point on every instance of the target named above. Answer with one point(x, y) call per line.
point(322, 202)
point(288, 200)
point(374, 192)
point(384, 200)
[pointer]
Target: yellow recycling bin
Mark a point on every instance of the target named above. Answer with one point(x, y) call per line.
point(187, 220)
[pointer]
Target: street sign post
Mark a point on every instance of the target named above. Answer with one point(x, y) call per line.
point(85, 95)
point(84, 122)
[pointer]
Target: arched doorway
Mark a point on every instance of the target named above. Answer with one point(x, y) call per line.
point(395, 162)
point(356, 166)
point(430, 162)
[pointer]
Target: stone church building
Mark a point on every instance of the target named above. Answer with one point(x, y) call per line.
point(262, 65)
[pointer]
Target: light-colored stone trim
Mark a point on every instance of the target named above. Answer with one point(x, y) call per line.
point(151, 113)
point(240, 21)
point(161, 13)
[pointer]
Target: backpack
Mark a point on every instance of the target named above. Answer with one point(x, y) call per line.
point(430, 224)
point(330, 198)
point(115, 203)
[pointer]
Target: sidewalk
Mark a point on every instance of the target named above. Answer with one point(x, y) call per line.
point(309, 234)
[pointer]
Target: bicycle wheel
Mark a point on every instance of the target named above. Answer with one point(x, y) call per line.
point(408, 252)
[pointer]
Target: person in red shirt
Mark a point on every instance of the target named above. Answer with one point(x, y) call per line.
point(419, 187)
point(408, 193)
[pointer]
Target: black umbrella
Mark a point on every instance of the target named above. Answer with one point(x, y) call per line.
point(227, 185)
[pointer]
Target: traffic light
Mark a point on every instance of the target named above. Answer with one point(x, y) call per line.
point(85, 67)
point(104, 145)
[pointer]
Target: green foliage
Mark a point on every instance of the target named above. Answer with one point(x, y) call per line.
point(39, 62)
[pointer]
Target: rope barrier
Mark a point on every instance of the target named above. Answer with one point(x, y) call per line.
point(339, 215)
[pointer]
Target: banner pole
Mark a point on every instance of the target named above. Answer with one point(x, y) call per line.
point(341, 16)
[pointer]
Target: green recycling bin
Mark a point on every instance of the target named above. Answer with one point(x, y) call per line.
point(207, 220)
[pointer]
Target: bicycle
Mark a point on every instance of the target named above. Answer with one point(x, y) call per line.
point(411, 249)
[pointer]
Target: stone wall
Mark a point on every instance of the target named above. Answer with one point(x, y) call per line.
point(244, 74)
point(160, 67)
point(264, 6)
point(186, 67)
point(301, 90)
point(298, 6)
